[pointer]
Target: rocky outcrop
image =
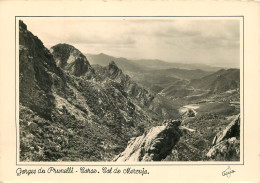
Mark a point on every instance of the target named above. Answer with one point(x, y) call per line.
point(189, 113)
point(232, 130)
point(72, 60)
point(69, 113)
point(154, 145)
point(131, 88)
point(226, 144)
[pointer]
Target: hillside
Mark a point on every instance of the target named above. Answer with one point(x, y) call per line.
point(70, 112)
point(214, 83)
point(220, 81)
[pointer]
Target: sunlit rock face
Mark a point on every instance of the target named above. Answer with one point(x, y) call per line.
point(226, 144)
point(154, 145)
point(72, 60)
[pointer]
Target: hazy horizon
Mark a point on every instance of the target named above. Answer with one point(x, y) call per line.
point(188, 41)
point(136, 59)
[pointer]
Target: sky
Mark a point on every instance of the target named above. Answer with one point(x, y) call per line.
point(213, 42)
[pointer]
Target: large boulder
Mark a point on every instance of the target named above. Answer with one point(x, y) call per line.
point(226, 144)
point(232, 130)
point(154, 145)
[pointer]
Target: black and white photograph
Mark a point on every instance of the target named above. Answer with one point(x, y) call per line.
point(129, 89)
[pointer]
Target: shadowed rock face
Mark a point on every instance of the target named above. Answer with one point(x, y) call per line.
point(36, 67)
point(232, 130)
point(154, 145)
point(226, 144)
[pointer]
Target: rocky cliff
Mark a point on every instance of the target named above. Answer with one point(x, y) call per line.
point(37, 74)
point(68, 112)
point(153, 145)
point(226, 144)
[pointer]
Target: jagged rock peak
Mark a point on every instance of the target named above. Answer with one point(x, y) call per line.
point(112, 65)
point(114, 70)
point(154, 145)
point(71, 59)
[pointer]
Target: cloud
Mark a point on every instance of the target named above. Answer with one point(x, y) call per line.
point(202, 33)
point(173, 32)
point(186, 40)
point(215, 42)
point(82, 39)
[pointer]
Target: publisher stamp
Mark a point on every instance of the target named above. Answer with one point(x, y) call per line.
point(228, 172)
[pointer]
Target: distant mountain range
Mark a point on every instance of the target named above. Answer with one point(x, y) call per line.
point(144, 64)
point(173, 79)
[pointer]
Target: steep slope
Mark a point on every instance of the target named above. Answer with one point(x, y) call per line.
point(219, 81)
point(69, 113)
point(153, 145)
point(36, 70)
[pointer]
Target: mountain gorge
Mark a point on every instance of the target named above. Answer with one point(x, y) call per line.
point(76, 107)
point(69, 111)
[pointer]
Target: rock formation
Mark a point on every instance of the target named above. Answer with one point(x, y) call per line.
point(68, 58)
point(131, 88)
point(154, 145)
point(226, 144)
point(232, 130)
